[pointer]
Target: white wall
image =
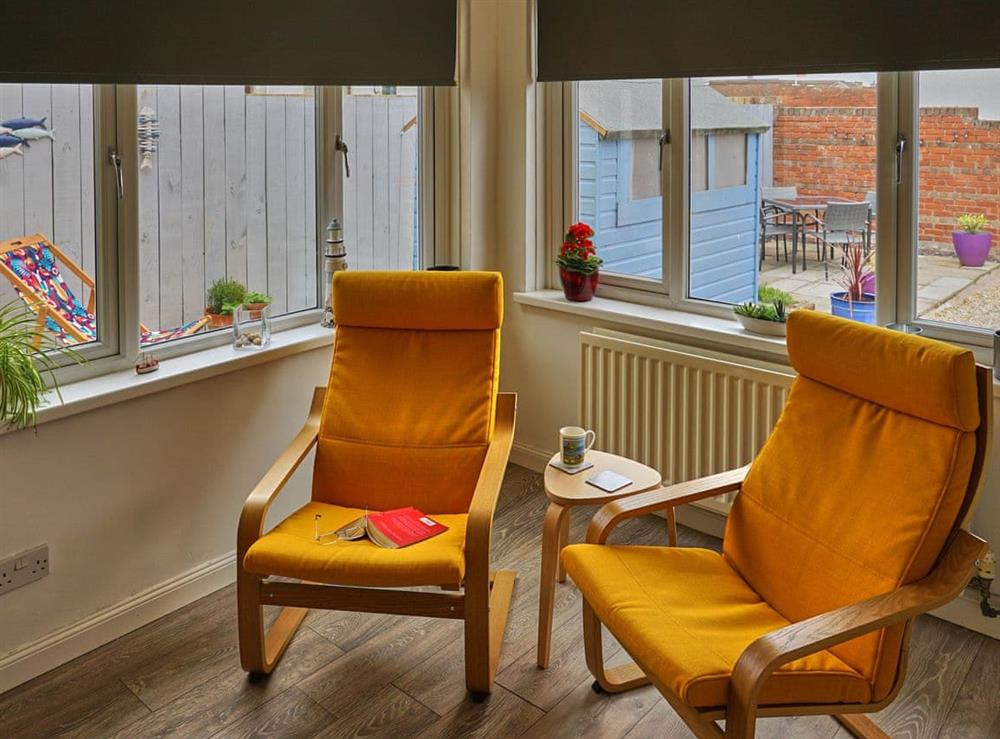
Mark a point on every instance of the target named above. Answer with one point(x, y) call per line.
point(133, 495)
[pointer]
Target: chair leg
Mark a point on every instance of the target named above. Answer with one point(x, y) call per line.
point(859, 725)
point(612, 679)
point(485, 622)
point(260, 651)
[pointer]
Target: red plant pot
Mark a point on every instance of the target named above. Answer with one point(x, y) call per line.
point(577, 286)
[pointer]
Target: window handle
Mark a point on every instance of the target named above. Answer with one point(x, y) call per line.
point(900, 148)
point(664, 140)
point(116, 162)
point(341, 145)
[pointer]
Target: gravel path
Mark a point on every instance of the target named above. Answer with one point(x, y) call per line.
point(978, 305)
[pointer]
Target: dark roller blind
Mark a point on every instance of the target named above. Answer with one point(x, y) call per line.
point(608, 39)
point(404, 42)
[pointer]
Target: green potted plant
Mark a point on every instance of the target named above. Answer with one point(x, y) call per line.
point(26, 357)
point(973, 241)
point(854, 301)
point(579, 263)
point(224, 296)
point(762, 318)
point(255, 302)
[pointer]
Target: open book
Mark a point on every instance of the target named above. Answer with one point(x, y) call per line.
point(393, 529)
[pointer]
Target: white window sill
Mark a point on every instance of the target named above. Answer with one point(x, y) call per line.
point(115, 387)
point(724, 333)
point(719, 333)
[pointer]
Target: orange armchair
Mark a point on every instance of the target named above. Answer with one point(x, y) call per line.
point(849, 523)
point(411, 416)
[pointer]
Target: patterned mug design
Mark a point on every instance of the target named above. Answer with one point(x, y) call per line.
point(575, 442)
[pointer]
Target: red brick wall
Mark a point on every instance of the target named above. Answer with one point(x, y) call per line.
point(824, 144)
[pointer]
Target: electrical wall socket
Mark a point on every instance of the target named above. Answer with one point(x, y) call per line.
point(23, 568)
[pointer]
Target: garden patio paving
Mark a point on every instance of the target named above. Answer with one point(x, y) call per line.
point(940, 279)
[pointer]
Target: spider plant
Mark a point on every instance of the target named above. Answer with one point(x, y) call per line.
point(27, 356)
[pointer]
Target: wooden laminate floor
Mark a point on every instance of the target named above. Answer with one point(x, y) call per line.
point(355, 675)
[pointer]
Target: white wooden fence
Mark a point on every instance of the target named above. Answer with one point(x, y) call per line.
point(231, 190)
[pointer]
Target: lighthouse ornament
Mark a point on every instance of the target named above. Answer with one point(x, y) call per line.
point(334, 260)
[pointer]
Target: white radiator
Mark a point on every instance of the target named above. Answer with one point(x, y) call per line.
point(683, 411)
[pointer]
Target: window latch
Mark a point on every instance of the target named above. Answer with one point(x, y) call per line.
point(116, 162)
point(341, 145)
point(900, 148)
point(664, 140)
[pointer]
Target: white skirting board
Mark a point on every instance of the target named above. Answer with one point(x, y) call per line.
point(963, 611)
point(61, 646)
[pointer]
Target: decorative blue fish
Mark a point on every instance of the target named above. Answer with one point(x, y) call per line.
point(9, 139)
point(30, 134)
point(16, 123)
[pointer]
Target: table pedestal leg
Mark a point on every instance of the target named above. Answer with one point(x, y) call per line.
point(563, 541)
point(551, 540)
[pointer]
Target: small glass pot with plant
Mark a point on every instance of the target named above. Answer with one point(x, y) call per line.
point(972, 241)
point(579, 263)
point(224, 297)
point(252, 322)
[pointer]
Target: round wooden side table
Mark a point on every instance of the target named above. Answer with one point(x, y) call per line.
point(564, 492)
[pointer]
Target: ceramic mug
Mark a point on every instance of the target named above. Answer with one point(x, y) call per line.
point(575, 442)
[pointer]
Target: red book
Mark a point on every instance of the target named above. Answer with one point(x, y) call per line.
point(394, 529)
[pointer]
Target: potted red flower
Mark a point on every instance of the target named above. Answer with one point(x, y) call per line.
point(579, 263)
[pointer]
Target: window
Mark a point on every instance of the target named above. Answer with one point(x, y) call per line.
point(782, 173)
point(52, 255)
point(957, 211)
point(381, 197)
point(227, 191)
point(217, 182)
point(619, 177)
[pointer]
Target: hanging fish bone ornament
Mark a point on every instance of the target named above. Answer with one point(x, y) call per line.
point(30, 134)
point(6, 151)
point(149, 136)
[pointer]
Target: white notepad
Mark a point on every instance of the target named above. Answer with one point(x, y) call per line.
point(609, 481)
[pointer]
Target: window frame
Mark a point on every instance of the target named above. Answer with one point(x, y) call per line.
point(896, 229)
point(116, 224)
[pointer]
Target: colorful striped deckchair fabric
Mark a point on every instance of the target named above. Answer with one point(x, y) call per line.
point(31, 264)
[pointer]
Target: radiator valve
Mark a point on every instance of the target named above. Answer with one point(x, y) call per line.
point(986, 572)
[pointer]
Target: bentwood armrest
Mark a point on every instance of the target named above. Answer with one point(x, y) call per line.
point(670, 496)
point(259, 501)
point(769, 652)
point(484, 500)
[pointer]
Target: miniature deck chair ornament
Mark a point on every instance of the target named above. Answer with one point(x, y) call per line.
point(411, 416)
point(848, 524)
point(31, 265)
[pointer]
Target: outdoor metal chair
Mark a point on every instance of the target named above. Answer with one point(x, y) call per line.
point(776, 223)
point(842, 224)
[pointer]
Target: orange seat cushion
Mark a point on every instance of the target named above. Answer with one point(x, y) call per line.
point(290, 550)
point(686, 616)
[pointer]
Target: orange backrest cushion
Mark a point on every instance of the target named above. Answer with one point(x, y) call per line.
point(861, 481)
point(410, 403)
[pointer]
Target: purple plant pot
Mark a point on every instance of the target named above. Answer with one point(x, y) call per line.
point(972, 249)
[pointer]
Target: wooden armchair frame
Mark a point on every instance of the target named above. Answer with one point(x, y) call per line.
point(482, 602)
point(949, 577)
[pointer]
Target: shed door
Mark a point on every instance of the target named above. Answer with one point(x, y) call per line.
point(725, 216)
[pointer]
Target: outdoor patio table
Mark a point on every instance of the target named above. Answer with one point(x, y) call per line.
point(798, 207)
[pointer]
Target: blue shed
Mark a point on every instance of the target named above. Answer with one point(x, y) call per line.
point(620, 191)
